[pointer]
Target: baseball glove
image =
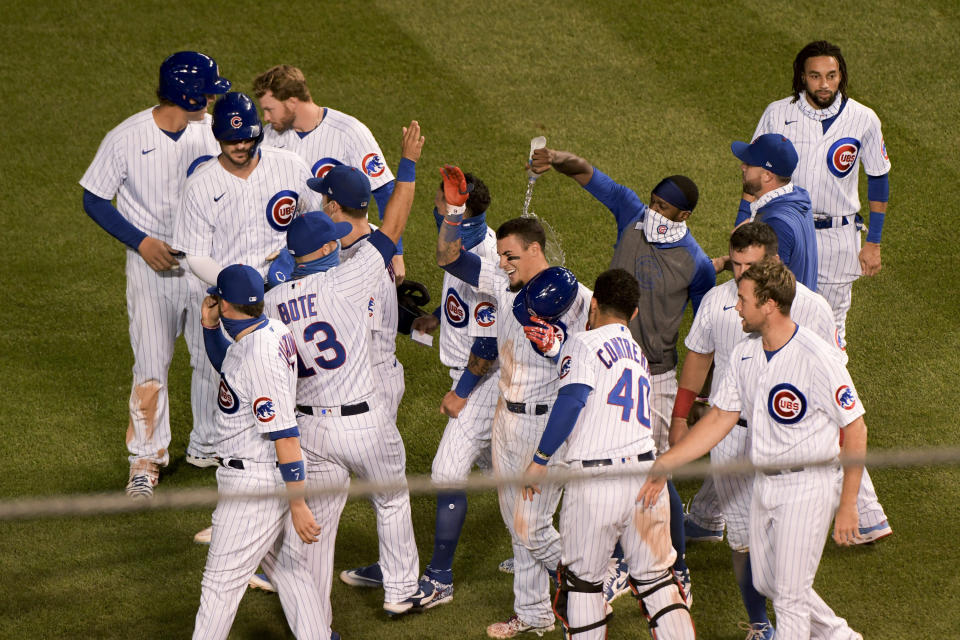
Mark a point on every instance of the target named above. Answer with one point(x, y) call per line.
point(411, 296)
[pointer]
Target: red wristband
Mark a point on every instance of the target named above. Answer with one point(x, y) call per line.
point(683, 403)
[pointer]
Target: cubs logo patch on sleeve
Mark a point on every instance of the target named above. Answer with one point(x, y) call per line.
point(264, 410)
point(565, 365)
point(485, 314)
point(373, 165)
point(845, 397)
point(786, 404)
point(281, 209)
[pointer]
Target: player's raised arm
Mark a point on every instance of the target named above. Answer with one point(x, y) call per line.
point(563, 161)
point(398, 208)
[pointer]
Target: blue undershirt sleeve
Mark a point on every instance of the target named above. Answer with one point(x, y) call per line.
point(382, 196)
point(563, 417)
point(466, 268)
point(485, 348)
point(785, 239)
point(743, 213)
point(106, 215)
point(704, 279)
point(292, 432)
point(215, 344)
point(384, 245)
point(878, 188)
point(622, 202)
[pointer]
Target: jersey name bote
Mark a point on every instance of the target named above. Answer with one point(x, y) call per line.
point(794, 403)
point(828, 165)
point(241, 221)
point(258, 383)
point(338, 139)
point(145, 169)
point(615, 421)
point(465, 313)
point(327, 313)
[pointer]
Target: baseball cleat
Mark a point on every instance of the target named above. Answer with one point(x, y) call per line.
point(141, 487)
point(514, 626)
point(203, 536)
point(260, 581)
point(686, 587)
point(758, 630)
point(617, 581)
point(695, 533)
point(202, 461)
point(369, 576)
point(506, 566)
point(417, 602)
point(444, 592)
point(874, 533)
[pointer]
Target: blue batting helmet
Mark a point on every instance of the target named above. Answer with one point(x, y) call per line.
point(188, 77)
point(235, 117)
point(550, 293)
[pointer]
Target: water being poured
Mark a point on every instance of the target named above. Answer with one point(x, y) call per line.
point(526, 200)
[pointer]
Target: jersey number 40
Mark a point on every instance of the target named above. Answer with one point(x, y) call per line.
point(622, 396)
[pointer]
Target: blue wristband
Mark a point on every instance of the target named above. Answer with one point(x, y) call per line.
point(876, 227)
point(406, 170)
point(468, 381)
point(293, 471)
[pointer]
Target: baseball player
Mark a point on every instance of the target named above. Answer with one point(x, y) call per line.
point(602, 412)
point(235, 209)
point(794, 392)
point(144, 163)
point(766, 164)
point(541, 305)
point(323, 137)
point(345, 428)
point(654, 244)
point(258, 446)
point(834, 134)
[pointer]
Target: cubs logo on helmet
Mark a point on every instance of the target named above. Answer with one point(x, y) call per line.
point(842, 156)
point(565, 365)
point(786, 404)
point(454, 309)
point(282, 209)
point(226, 398)
point(373, 165)
point(263, 409)
point(485, 314)
point(845, 397)
point(236, 122)
point(323, 165)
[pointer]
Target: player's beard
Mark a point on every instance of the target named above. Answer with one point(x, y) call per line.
point(284, 123)
point(823, 103)
point(751, 187)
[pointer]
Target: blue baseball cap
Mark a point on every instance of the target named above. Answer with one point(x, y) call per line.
point(239, 284)
point(312, 230)
point(771, 151)
point(347, 186)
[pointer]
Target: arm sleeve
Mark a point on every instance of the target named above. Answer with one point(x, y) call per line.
point(382, 196)
point(704, 279)
point(622, 202)
point(216, 345)
point(874, 152)
point(485, 348)
point(563, 417)
point(106, 215)
point(836, 394)
point(466, 268)
point(878, 188)
point(743, 212)
point(205, 268)
point(785, 240)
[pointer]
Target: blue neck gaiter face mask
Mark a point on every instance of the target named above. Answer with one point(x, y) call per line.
point(235, 327)
point(319, 265)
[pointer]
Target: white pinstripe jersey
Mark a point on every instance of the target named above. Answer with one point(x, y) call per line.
point(525, 374)
point(328, 315)
point(795, 403)
point(145, 169)
point(338, 139)
point(383, 314)
point(828, 166)
point(241, 221)
point(465, 313)
point(615, 421)
point(717, 327)
point(258, 383)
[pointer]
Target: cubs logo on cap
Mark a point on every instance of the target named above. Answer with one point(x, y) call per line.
point(845, 397)
point(485, 314)
point(323, 165)
point(786, 404)
point(842, 156)
point(281, 209)
point(263, 409)
point(565, 365)
point(454, 309)
point(373, 165)
point(226, 398)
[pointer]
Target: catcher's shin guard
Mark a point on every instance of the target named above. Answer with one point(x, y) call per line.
point(660, 596)
point(567, 581)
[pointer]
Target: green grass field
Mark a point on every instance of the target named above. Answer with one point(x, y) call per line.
point(642, 89)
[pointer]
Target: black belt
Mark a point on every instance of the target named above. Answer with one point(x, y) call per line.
point(741, 422)
point(345, 410)
point(604, 462)
point(781, 472)
point(519, 407)
point(234, 463)
point(827, 223)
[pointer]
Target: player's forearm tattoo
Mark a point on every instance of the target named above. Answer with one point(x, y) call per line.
point(478, 366)
point(448, 249)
